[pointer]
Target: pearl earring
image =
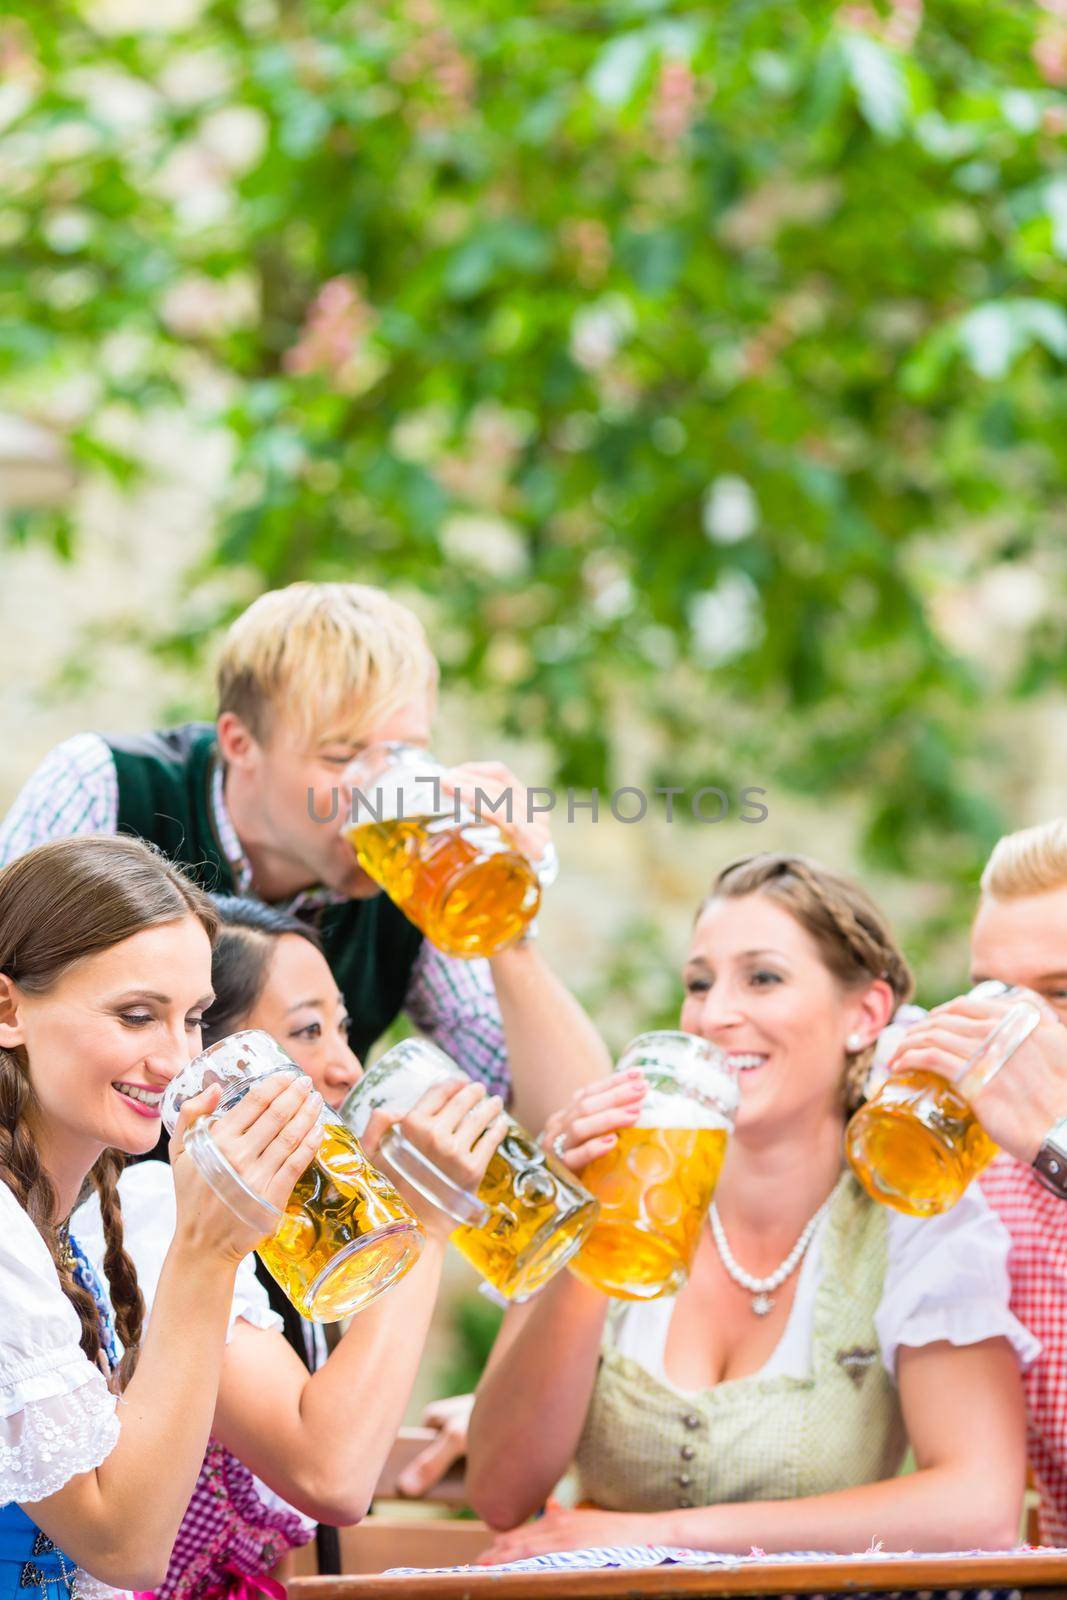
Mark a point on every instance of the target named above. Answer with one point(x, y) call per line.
point(854, 1042)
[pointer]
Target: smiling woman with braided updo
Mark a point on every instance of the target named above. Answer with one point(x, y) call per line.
point(771, 1401)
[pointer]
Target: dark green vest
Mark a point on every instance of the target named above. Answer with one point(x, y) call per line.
point(165, 797)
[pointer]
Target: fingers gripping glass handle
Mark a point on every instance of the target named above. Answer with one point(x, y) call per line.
point(431, 1182)
point(1012, 1030)
point(253, 1209)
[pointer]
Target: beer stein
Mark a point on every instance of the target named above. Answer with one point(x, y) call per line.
point(345, 1235)
point(917, 1143)
point(454, 875)
point(528, 1217)
point(655, 1185)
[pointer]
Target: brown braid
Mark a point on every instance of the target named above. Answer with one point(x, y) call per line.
point(854, 939)
point(126, 1297)
point(21, 1167)
point(60, 904)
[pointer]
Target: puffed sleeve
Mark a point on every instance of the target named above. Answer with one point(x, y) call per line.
point(149, 1217)
point(947, 1279)
point(57, 1415)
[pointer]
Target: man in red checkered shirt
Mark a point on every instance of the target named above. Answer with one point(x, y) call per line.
point(1020, 937)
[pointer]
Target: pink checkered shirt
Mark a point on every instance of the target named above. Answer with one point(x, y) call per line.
point(228, 1528)
point(1037, 1222)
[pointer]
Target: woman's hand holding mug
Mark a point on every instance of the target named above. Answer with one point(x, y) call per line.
point(586, 1127)
point(269, 1139)
point(456, 1126)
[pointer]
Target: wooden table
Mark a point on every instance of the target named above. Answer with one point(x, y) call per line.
point(1026, 1571)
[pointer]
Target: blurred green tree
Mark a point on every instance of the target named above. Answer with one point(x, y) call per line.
point(704, 365)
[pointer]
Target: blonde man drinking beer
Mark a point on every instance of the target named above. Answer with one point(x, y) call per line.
point(308, 677)
point(1019, 936)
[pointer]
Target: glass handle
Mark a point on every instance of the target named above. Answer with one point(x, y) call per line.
point(253, 1209)
point(1010, 1032)
point(431, 1182)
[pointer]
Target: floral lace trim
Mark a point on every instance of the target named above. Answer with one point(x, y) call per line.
point(86, 1587)
point(50, 1441)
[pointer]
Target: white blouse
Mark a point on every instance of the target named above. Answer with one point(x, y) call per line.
point(946, 1278)
point(57, 1415)
point(149, 1218)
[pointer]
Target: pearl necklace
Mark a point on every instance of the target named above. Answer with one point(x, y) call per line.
point(760, 1288)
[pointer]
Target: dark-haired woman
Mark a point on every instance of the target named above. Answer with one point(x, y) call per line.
point(771, 1401)
point(268, 971)
point(290, 1447)
point(105, 972)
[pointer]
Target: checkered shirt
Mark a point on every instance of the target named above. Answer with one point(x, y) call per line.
point(1037, 1222)
point(76, 790)
point(228, 1528)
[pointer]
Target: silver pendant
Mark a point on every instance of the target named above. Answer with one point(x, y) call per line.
point(761, 1304)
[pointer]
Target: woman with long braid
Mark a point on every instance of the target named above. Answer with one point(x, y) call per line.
point(771, 1402)
point(292, 1447)
point(105, 972)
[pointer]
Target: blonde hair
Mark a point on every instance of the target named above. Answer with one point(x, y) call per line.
point(338, 657)
point(854, 940)
point(1031, 861)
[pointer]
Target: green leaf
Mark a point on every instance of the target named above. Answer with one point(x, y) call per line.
point(879, 82)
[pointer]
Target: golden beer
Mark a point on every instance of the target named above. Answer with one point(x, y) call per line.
point(656, 1184)
point(529, 1215)
point(654, 1189)
point(917, 1143)
point(538, 1218)
point(454, 876)
point(345, 1235)
point(462, 884)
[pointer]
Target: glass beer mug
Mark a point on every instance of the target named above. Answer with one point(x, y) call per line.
point(345, 1235)
point(452, 874)
point(656, 1184)
point(529, 1215)
point(917, 1144)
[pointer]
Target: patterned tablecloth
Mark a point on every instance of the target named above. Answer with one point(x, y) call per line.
point(638, 1556)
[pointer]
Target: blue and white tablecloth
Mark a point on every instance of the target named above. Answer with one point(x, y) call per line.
point(654, 1555)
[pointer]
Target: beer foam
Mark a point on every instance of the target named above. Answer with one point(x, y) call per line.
point(659, 1110)
point(397, 1091)
point(399, 793)
point(670, 1048)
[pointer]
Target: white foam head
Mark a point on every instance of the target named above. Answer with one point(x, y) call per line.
point(401, 794)
point(660, 1110)
point(397, 1082)
point(689, 1082)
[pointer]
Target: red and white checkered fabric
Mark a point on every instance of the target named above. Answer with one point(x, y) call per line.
point(1037, 1222)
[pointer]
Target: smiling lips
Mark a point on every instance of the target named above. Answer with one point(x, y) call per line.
point(745, 1061)
point(144, 1101)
